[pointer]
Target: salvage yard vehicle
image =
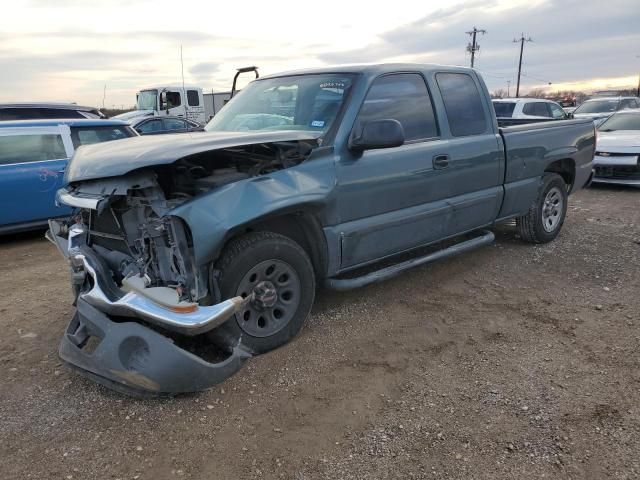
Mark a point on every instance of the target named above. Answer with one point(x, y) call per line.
point(617, 158)
point(159, 125)
point(162, 100)
point(599, 109)
point(46, 111)
point(33, 155)
point(220, 239)
point(517, 111)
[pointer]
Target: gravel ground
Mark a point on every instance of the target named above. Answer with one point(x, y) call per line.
point(513, 361)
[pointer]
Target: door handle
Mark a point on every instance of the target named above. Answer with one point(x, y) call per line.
point(440, 162)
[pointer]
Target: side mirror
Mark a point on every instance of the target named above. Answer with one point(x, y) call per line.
point(139, 130)
point(384, 133)
point(163, 101)
point(570, 115)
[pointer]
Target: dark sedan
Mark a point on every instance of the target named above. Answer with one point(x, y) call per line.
point(157, 125)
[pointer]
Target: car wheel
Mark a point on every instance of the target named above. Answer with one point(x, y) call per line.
point(278, 274)
point(545, 217)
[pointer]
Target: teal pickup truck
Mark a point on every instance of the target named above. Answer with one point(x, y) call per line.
point(336, 176)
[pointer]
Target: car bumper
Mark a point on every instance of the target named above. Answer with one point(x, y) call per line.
point(132, 354)
point(628, 174)
point(107, 297)
point(617, 181)
point(133, 359)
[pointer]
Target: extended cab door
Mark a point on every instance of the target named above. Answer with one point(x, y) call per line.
point(393, 199)
point(32, 162)
point(473, 175)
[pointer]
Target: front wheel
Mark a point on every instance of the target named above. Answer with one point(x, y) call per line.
point(277, 273)
point(545, 217)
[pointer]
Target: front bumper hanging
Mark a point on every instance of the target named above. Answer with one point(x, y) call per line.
point(129, 356)
point(133, 359)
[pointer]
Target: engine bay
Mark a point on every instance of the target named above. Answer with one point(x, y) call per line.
point(134, 235)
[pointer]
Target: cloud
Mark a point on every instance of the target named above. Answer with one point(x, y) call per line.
point(573, 39)
point(204, 68)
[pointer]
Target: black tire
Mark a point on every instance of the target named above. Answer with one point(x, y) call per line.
point(540, 225)
point(241, 260)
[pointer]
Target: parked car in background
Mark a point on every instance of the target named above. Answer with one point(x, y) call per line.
point(157, 125)
point(225, 234)
point(512, 111)
point(33, 156)
point(44, 111)
point(599, 108)
point(618, 149)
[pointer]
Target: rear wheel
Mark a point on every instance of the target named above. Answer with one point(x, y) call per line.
point(545, 217)
point(278, 274)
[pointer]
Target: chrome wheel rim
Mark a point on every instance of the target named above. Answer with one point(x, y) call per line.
point(552, 209)
point(275, 288)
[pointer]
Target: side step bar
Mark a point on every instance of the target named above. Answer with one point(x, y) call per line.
point(342, 284)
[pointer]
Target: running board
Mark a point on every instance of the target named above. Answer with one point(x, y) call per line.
point(391, 271)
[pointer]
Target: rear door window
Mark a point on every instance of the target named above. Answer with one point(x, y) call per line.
point(504, 109)
point(88, 135)
point(150, 126)
point(463, 104)
point(31, 148)
point(174, 124)
point(403, 97)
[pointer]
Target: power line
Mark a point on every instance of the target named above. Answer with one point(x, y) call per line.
point(521, 40)
point(473, 47)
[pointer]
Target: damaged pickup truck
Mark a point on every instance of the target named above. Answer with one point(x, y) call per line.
point(189, 253)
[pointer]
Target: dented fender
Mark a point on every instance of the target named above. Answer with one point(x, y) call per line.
point(213, 216)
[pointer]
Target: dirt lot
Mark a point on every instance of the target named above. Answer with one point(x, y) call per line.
point(514, 361)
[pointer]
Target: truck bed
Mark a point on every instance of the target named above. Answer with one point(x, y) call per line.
point(530, 148)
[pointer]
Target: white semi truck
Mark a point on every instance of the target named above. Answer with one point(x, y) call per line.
point(187, 101)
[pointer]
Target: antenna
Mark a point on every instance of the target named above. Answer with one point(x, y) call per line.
point(104, 94)
point(182, 67)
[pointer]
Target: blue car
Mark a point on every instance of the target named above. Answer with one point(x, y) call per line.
point(33, 156)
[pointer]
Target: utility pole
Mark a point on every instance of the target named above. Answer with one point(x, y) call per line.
point(104, 94)
point(638, 92)
point(473, 47)
point(521, 40)
point(508, 88)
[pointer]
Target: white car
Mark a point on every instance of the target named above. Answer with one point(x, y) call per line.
point(600, 108)
point(528, 108)
point(618, 149)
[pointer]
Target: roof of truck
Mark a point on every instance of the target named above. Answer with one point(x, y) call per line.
point(177, 86)
point(373, 69)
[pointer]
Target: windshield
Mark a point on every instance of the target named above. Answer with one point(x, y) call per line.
point(504, 109)
point(621, 121)
point(598, 106)
point(147, 100)
point(304, 102)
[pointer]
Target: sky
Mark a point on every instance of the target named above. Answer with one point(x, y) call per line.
point(68, 50)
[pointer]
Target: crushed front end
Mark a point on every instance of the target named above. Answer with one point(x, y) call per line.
point(142, 303)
